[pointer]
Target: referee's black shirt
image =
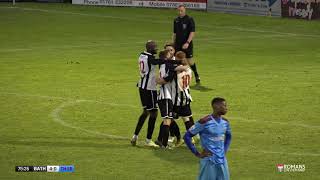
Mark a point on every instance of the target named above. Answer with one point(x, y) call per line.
point(182, 27)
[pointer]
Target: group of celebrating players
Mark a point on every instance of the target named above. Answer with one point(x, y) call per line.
point(174, 98)
point(175, 63)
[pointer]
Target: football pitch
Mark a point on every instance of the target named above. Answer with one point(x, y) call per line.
point(68, 92)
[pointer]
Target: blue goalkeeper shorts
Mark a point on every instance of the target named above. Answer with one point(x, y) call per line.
point(211, 171)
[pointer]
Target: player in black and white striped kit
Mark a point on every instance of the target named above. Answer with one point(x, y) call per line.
point(174, 127)
point(166, 95)
point(166, 73)
point(183, 96)
point(180, 98)
point(148, 92)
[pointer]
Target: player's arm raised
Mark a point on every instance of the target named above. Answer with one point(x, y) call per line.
point(167, 79)
point(156, 61)
point(161, 81)
point(161, 61)
point(181, 68)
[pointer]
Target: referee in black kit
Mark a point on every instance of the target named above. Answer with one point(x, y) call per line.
point(183, 32)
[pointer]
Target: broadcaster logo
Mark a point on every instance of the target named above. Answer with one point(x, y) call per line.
point(291, 167)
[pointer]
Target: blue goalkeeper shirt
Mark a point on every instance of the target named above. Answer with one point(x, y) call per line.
point(215, 136)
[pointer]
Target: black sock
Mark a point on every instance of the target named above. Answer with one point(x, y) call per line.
point(140, 123)
point(188, 124)
point(160, 132)
point(191, 119)
point(175, 128)
point(194, 69)
point(151, 123)
point(165, 135)
point(172, 130)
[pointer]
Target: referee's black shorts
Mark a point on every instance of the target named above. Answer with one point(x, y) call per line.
point(148, 99)
point(166, 108)
point(188, 51)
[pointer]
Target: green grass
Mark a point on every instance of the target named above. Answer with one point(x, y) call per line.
point(267, 69)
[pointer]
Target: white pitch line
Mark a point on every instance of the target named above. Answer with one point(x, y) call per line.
point(68, 99)
point(132, 106)
point(144, 19)
point(55, 114)
point(56, 117)
point(15, 49)
point(37, 96)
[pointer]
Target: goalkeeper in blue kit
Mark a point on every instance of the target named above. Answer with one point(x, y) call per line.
point(215, 136)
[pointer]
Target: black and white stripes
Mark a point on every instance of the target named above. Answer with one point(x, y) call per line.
point(147, 72)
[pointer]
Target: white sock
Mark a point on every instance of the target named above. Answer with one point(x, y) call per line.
point(134, 137)
point(148, 140)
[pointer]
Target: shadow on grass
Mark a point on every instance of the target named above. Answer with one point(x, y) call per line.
point(180, 155)
point(200, 88)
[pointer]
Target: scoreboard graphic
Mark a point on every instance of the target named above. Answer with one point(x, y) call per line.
point(48, 168)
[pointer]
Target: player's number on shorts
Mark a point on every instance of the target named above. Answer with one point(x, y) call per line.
point(185, 81)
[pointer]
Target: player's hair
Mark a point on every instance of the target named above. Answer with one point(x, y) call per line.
point(168, 44)
point(150, 43)
point(181, 5)
point(163, 54)
point(180, 55)
point(217, 100)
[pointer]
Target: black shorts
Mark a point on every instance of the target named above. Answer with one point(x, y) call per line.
point(166, 108)
point(189, 51)
point(183, 111)
point(148, 99)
